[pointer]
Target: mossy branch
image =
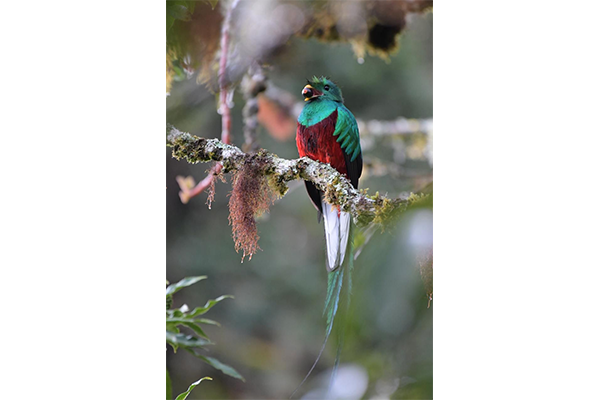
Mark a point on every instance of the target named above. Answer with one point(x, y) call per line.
point(336, 187)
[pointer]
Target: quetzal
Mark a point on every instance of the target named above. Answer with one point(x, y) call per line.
point(327, 132)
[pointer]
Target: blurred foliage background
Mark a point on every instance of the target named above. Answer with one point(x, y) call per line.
point(272, 331)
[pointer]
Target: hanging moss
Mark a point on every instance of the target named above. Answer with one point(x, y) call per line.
point(250, 196)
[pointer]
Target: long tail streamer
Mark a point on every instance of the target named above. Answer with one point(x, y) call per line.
point(334, 287)
point(345, 315)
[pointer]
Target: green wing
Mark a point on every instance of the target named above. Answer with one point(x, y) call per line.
point(347, 131)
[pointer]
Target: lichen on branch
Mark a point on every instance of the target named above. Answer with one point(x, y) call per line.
point(336, 187)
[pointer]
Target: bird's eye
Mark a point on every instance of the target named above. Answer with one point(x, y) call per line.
point(326, 87)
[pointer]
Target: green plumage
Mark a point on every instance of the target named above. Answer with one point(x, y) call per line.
point(314, 112)
point(334, 287)
point(346, 130)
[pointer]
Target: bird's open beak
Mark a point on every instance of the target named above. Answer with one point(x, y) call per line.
point(310, 92)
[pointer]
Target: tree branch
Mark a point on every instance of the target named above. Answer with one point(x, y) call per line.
point(337, 188)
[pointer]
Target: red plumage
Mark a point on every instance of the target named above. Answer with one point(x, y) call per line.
point(318, 143)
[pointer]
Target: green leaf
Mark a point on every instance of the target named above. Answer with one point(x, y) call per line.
point(222, 367)
point(208, 321)
point(209, 304)
point(172, 328)
point(185, 394)
point(189, 322)
point(185, 282)
point(177, 320)
point(195, 328)
point(169, 389)
point(181, 339)
point(177, 313)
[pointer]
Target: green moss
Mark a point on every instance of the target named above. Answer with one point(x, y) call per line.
point(364, 219)
point(277, 185)
point(191, 148)
point(387, 211)
point(384, 210)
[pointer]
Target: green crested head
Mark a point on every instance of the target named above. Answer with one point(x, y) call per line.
point(321, 88)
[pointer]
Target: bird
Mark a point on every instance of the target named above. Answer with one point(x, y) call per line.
point(327, 132)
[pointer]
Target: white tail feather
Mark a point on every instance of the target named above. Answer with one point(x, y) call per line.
point(344, 233)
point(337, 228)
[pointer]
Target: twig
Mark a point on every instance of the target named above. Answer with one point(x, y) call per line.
point(186, 193)
point(253, 83)
point(223, 87)
point(337, 188)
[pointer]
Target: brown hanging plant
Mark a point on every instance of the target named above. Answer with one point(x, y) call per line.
point(251, 196)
